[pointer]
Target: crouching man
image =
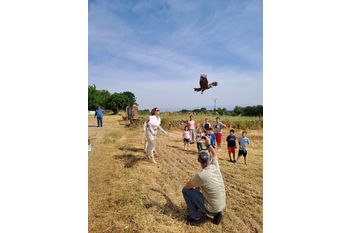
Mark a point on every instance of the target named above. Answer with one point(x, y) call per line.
point(205, 193)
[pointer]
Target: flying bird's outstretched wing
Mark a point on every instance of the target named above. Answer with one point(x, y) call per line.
point(213, 84)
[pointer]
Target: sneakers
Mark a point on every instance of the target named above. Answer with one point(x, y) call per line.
point(218, 217)
point(193, 222)
point(196, 222)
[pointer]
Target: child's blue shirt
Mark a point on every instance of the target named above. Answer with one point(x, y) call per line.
point(212, 140)
point(243, 143)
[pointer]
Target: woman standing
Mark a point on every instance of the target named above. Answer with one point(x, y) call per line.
point(191, 127)
point(152, 126)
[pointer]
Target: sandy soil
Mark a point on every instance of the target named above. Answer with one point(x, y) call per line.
point(129, 194)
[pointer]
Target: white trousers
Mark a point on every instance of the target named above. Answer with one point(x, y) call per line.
point(150, 144)
point(146, 143)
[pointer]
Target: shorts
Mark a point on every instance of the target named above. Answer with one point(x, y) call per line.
point(231, 150)
point(218, 137)
point(186, 140)
point(242, 152)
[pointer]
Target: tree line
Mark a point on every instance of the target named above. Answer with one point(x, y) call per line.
point(114, 102)
point(237, 111)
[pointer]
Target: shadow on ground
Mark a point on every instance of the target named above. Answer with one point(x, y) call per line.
point(169, 208)
point(131, 149)
point(129, 159)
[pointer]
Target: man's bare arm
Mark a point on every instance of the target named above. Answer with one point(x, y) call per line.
point(188, 185)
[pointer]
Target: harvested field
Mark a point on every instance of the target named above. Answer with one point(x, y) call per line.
point(129, 194)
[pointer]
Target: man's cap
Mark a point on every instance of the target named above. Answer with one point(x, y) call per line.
point(204, 156)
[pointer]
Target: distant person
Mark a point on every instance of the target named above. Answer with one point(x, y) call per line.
point(191, 126)
point(243, 146)
point(186, 138)
point(99, 114)
point(152, 126)
point(205, 192)
point(206, 124)
point(218, 132)
point(211, 135)
point(199, 139)
point(231, 145)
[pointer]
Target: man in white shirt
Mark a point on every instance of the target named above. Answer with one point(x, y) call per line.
point(212, 199)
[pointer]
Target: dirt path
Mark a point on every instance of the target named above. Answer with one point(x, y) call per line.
point(129, 194)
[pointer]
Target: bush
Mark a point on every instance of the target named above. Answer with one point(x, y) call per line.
point(114, 102)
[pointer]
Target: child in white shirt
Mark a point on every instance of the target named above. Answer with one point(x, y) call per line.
point(199, 139)
point(186, 138)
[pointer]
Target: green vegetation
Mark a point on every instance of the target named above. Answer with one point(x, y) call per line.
point(237, 111)
point(114, 102)
point(177, 120)
point(96, 97)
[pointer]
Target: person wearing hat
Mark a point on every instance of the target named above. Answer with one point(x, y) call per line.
point(205, 192)
point(152, 126)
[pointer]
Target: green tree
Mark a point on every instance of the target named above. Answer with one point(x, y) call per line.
point(238, 110)
point(260, 110)
point(114, 102)
point(131, 99)
point(117, 102)
point(144, 111)
point(203, 110)
point(104, 95)
point(94, 99)
point(248, 110)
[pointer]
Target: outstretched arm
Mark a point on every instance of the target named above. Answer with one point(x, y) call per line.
point(162, 130)
point(211, 149)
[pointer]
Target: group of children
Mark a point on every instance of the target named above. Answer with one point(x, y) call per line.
point(215, 139)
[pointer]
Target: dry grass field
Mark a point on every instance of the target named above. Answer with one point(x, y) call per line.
point(129, 194)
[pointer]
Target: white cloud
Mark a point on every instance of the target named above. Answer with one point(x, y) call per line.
point(164, 74)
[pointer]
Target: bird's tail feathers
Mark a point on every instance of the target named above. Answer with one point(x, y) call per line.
point(213, 84)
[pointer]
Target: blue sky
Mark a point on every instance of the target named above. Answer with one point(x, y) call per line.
point(158, 49)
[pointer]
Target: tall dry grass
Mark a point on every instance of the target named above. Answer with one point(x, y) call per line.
point(178, 120)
